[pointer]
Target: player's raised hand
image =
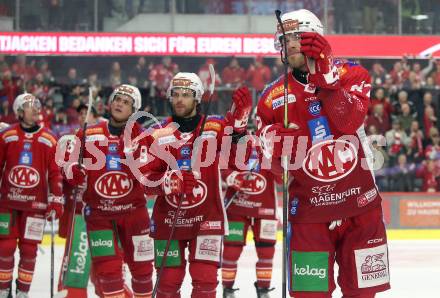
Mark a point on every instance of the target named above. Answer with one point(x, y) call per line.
point(238, 116)
point(319, 60)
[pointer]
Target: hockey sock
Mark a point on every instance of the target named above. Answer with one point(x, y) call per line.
point(170, 282)
point(204, 280)
point(142, 286)
point(231, 254)
point(7, 249)
point(26, 266)
point(264, 264)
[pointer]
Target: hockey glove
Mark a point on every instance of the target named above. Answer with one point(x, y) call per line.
point(173, 185)
point(56, 206)
point(319, 61)
point(274, 137)
point(75, 175)
point(240, 181)
point(238, 116)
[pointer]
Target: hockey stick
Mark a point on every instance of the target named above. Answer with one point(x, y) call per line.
point(284, 159)
point(176, 214)
point(71, 220)
point(52, 253)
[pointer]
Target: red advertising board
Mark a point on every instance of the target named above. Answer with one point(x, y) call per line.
point(419, 212)
point(48, 43)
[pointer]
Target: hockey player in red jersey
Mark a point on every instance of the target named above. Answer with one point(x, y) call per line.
point(334, 205)
point(251, 202)
point(27, 160)
point(201, 221)
point(115, 213)
point(77, 277)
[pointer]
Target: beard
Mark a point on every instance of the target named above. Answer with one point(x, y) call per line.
point(297, 61)
point(184, 111)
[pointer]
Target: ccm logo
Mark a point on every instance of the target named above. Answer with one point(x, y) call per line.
point(372, 241)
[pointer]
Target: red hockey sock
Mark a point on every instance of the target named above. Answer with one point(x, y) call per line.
point(26, 266)
point(141, 280)
point(264, 265)
point(231, 254)
point(76, 292)
point(108, 276)
point(7, 249)
point(170, 282)
point(204, 279)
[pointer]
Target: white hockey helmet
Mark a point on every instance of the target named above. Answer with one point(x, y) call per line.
point(25, 98)
point(187, 80)
point(297, 21)
point(131, 91)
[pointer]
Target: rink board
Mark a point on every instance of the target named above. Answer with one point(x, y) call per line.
point(393, 234)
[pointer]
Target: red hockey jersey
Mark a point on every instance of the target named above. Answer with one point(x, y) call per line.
point(259, 198)
point(112, 189)
point(332, 176)
point(28, 168)
point(202, 212)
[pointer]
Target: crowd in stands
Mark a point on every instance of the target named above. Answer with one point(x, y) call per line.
point(404, 106)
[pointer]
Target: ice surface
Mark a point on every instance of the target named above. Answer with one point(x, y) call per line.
point(415, 271)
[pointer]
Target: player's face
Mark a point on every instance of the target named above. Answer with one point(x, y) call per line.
point(31, 112)
point(294, 56)
point(183, 102)
point(121, 108)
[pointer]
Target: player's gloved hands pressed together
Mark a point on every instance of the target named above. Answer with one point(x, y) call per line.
point(174, 185)
point(275, 136)
point(319, 60)
point(239, 181)
point(75, 174)
point(238, 116)
point(55, 206)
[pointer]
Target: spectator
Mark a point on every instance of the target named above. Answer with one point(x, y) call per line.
point(432, 150)
point(10, 86)
point(258, 74)
point(233, 75)
point(397, 140)
point(379, 119)
point(141, 71)
point(415, 147)
point(405, 117)
point(21, 69)
point(430, 175)
point(429, 119)
point(94, 83)
point(6, 113)
point(380, 165)
point(205, 76)
point(377, 74)
point(46, 72)
point(3, 64)
point(72, 78)
point(402, 97)
point(115, 77)
point(160, 77)
point(60, 124)
point(380, 98)
point(436, 74)
point(277, 69)
point(398, 73)
point(402, 175)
